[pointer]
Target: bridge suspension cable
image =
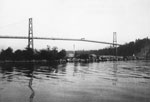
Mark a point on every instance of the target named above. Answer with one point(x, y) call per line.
point(47, 38)
point(30, 38)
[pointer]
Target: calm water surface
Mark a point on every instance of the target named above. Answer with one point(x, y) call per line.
point(75, 82)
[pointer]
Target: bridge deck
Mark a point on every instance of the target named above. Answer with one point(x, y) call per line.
point(47, 38)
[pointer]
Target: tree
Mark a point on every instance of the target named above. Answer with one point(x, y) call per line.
point(7, 54)
point(84, 56)
point(28, 54)
point(62, 54)
point(18, 55)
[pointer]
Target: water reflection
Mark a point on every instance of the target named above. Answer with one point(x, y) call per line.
point(115, 68)
point(104, 81)
point(6, 70)
point(31, 74)
point(21, 72)
point(75, 70)
point(32, 90)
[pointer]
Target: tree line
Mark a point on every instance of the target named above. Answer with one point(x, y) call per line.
point(128, 49)
point(29, 54)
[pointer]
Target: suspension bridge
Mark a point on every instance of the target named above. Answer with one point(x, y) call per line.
point(30, 38)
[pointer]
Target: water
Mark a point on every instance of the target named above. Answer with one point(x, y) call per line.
point(75, 82)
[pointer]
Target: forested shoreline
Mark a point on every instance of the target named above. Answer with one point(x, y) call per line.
point(139, 48)
point(29, 54)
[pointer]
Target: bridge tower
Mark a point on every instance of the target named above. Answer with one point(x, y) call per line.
point(115, 43)
point(30, 34)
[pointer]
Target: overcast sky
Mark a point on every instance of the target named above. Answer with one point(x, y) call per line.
point(89, 19)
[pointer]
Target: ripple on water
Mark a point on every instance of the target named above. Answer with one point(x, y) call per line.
point(76, 82)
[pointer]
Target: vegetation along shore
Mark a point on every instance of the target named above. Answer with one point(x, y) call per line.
point(138, 49)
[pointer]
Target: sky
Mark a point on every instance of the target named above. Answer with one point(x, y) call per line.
point(89, 19)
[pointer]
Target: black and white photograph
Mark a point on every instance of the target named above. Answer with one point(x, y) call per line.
point(74, 50)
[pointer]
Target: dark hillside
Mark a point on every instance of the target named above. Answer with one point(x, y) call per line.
point(139, 47)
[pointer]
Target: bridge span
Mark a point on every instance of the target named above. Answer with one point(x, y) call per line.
point(30, 38)
point(48, 38)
